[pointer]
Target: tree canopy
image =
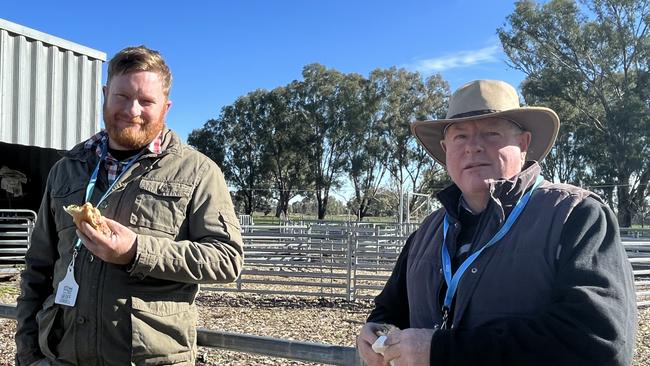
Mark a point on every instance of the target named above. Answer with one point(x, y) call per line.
point(589, 61)
point(309, 136)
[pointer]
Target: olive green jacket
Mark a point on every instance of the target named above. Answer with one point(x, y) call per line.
point(179, 206)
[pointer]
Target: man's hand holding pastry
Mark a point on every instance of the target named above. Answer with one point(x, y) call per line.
point(105, 238)
point(118, 247)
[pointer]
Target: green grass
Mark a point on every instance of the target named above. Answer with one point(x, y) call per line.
point(638, 226)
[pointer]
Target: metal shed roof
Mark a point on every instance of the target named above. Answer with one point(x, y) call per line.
point(50, 88)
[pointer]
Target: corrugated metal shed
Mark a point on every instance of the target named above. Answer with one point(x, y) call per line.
point(49, 88)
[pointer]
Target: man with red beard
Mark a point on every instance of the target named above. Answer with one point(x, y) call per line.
point(127, 297)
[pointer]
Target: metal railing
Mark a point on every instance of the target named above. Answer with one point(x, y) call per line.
point(351, 262)
point(347, 262)
point(16, 227)
point(265, 346)
point(638, 253)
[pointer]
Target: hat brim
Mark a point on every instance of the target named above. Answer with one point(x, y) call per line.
point(542, 123)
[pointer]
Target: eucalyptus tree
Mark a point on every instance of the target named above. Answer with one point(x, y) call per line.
point(235, 141)
point(285, 136)
point(323, 104)
point(366, 157)
point(567, 161)
point(593, 56)
point(404, 97)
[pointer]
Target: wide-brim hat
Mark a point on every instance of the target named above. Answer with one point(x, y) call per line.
point(482, 99)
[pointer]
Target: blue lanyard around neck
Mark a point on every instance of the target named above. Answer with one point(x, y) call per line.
point(93, 180)
point(453, 280)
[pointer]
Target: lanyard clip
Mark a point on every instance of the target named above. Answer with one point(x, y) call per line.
point(445, 317)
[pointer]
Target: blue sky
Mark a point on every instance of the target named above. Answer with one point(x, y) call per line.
point(220, 50)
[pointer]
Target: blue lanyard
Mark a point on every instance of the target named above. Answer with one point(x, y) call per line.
point(453, 280)
point(93, 180)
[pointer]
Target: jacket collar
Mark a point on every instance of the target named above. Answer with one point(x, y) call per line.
point(505, 192)
point(171, 144)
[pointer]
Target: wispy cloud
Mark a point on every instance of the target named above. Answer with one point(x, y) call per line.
point(457, 60)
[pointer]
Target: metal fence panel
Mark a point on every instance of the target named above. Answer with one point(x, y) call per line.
point(350, 261)
point(15, 230)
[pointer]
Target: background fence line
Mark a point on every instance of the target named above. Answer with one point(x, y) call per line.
point(354, 261)
point(349, 260)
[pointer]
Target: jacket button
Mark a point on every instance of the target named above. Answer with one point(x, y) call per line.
point(474, 270)
point(81, 320)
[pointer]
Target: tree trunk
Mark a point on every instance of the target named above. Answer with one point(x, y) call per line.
point(363, 212)
point(249, 203)
point(625, 205)
point(322, 208)
point(624, 217)
point(283, 205)
point(278, 209)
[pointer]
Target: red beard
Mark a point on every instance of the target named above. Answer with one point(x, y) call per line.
point(136, 135)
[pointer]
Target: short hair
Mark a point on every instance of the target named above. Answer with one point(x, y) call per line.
point(140, 58)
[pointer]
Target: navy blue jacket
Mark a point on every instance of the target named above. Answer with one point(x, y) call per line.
point(556, 290)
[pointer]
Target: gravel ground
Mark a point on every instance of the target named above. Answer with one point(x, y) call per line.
point(313, 320)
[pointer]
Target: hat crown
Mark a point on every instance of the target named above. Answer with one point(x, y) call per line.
point(482, 96)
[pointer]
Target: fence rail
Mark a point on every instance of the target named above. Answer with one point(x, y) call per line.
point(15, 230)
point(336, 261)
point(351, 262)
point(266, 346)
point(638, 253)
point(346, 261)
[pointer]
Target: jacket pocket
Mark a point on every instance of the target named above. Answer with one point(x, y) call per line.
point(161, 205)
point(164, 332)
point(50, 327)
point(65, 195)
point(230, 224)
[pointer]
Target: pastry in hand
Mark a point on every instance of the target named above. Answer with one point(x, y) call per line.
point(89, 214)
point(382, 333)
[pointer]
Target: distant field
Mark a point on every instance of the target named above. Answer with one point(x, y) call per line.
point(261, 219)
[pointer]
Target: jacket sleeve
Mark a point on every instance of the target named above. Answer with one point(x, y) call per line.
point(591, 319)
point(391, 305)
point(214, 249)
point(35, 283)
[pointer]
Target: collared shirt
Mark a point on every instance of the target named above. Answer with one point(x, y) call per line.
point(463, 204)
point(113, 166)
point(469, 221)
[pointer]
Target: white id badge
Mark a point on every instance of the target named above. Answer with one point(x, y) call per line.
point(66, 293)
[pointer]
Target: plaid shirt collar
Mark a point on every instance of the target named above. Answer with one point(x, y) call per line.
point(113, 166)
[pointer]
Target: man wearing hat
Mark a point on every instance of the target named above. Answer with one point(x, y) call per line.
point(514, 269)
